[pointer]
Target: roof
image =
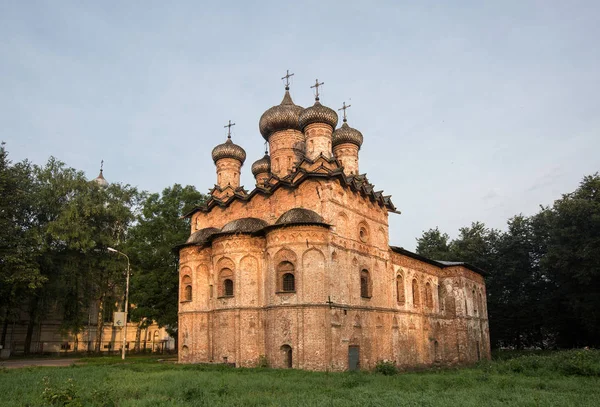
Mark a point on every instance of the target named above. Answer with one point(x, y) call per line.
point(319, 168)
point(244, 225)
point(439, 263)
point(300, 216)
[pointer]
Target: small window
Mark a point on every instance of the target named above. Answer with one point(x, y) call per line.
point(365, 284)
point(441, 296)
point(228, 287)
point(286, 278)
point(428, 296)
point(226, 283)
point(400, 289)
point(363, 234)
point(415, 293)
point(186, 284)
point(474, 302)
point(288, 282)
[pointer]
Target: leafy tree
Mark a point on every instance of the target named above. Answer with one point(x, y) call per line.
point(434, 245)
point(159, 228)
point(19, 273)
point(572, 264)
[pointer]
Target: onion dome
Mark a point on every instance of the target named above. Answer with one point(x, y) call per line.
point(244, 225)
point(318, 113)
point(300, 216)
point(201, 236)
point(100, 180)
point(261, 166)
point(284, 116)
point(229, 150)
point(346, 134)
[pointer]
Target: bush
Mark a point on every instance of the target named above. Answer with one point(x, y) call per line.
point(386, 368)
point(62, 396)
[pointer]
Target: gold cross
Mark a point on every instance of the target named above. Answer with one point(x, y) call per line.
point(316, 86)
point(229, 129)
point(344, 107)
point(287, 77)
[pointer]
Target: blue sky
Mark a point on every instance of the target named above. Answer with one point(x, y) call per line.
point(470, 110)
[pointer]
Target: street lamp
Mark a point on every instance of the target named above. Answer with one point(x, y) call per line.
point(110, 249)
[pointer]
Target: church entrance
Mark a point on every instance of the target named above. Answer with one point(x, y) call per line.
point(286, 350)
point(353, 357)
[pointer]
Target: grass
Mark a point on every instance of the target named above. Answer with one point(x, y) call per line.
point(569, 378)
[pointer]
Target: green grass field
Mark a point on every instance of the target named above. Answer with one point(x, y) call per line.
point(570, 378)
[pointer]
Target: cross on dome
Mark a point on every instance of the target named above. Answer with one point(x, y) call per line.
point(316, 86)
point(344, 107)
point(287, 77)
point(229, 129)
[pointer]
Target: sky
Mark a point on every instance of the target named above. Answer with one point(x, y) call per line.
point(470, 110)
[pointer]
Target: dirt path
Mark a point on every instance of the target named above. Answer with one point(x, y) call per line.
point(15, 364)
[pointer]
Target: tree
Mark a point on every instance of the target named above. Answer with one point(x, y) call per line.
point(160, 227)
point(19, 273)
point(434, 245)
point(572, 264)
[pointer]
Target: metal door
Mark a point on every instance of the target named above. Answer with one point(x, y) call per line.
point(353, 357)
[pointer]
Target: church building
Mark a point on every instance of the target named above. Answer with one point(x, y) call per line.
point(299, 272)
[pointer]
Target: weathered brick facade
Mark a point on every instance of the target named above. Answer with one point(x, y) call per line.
point(299, 271)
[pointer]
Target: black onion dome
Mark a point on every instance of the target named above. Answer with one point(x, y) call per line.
point(201, 236)
point(284, 116)
point(318, 113)
point(347, 134)
point(244, 225)
point(261, 166)
point(229, 150)
point(299, 216)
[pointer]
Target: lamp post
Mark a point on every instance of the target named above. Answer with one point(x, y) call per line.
point(110, 249)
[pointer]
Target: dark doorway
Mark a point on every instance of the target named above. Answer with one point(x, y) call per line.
point(286, 350)
point(353, 358)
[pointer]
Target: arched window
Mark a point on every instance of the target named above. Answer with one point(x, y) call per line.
point(474, 302)
point(441, 296)
point(415, 293)
point(428, 296)
point(226, 283)
point(481, 304)
point(186, 285)
point(400, 289)
point(365, 284)
point(286, 278)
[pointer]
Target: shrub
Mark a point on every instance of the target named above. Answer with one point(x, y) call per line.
point(386, 368)
point(63, 396)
